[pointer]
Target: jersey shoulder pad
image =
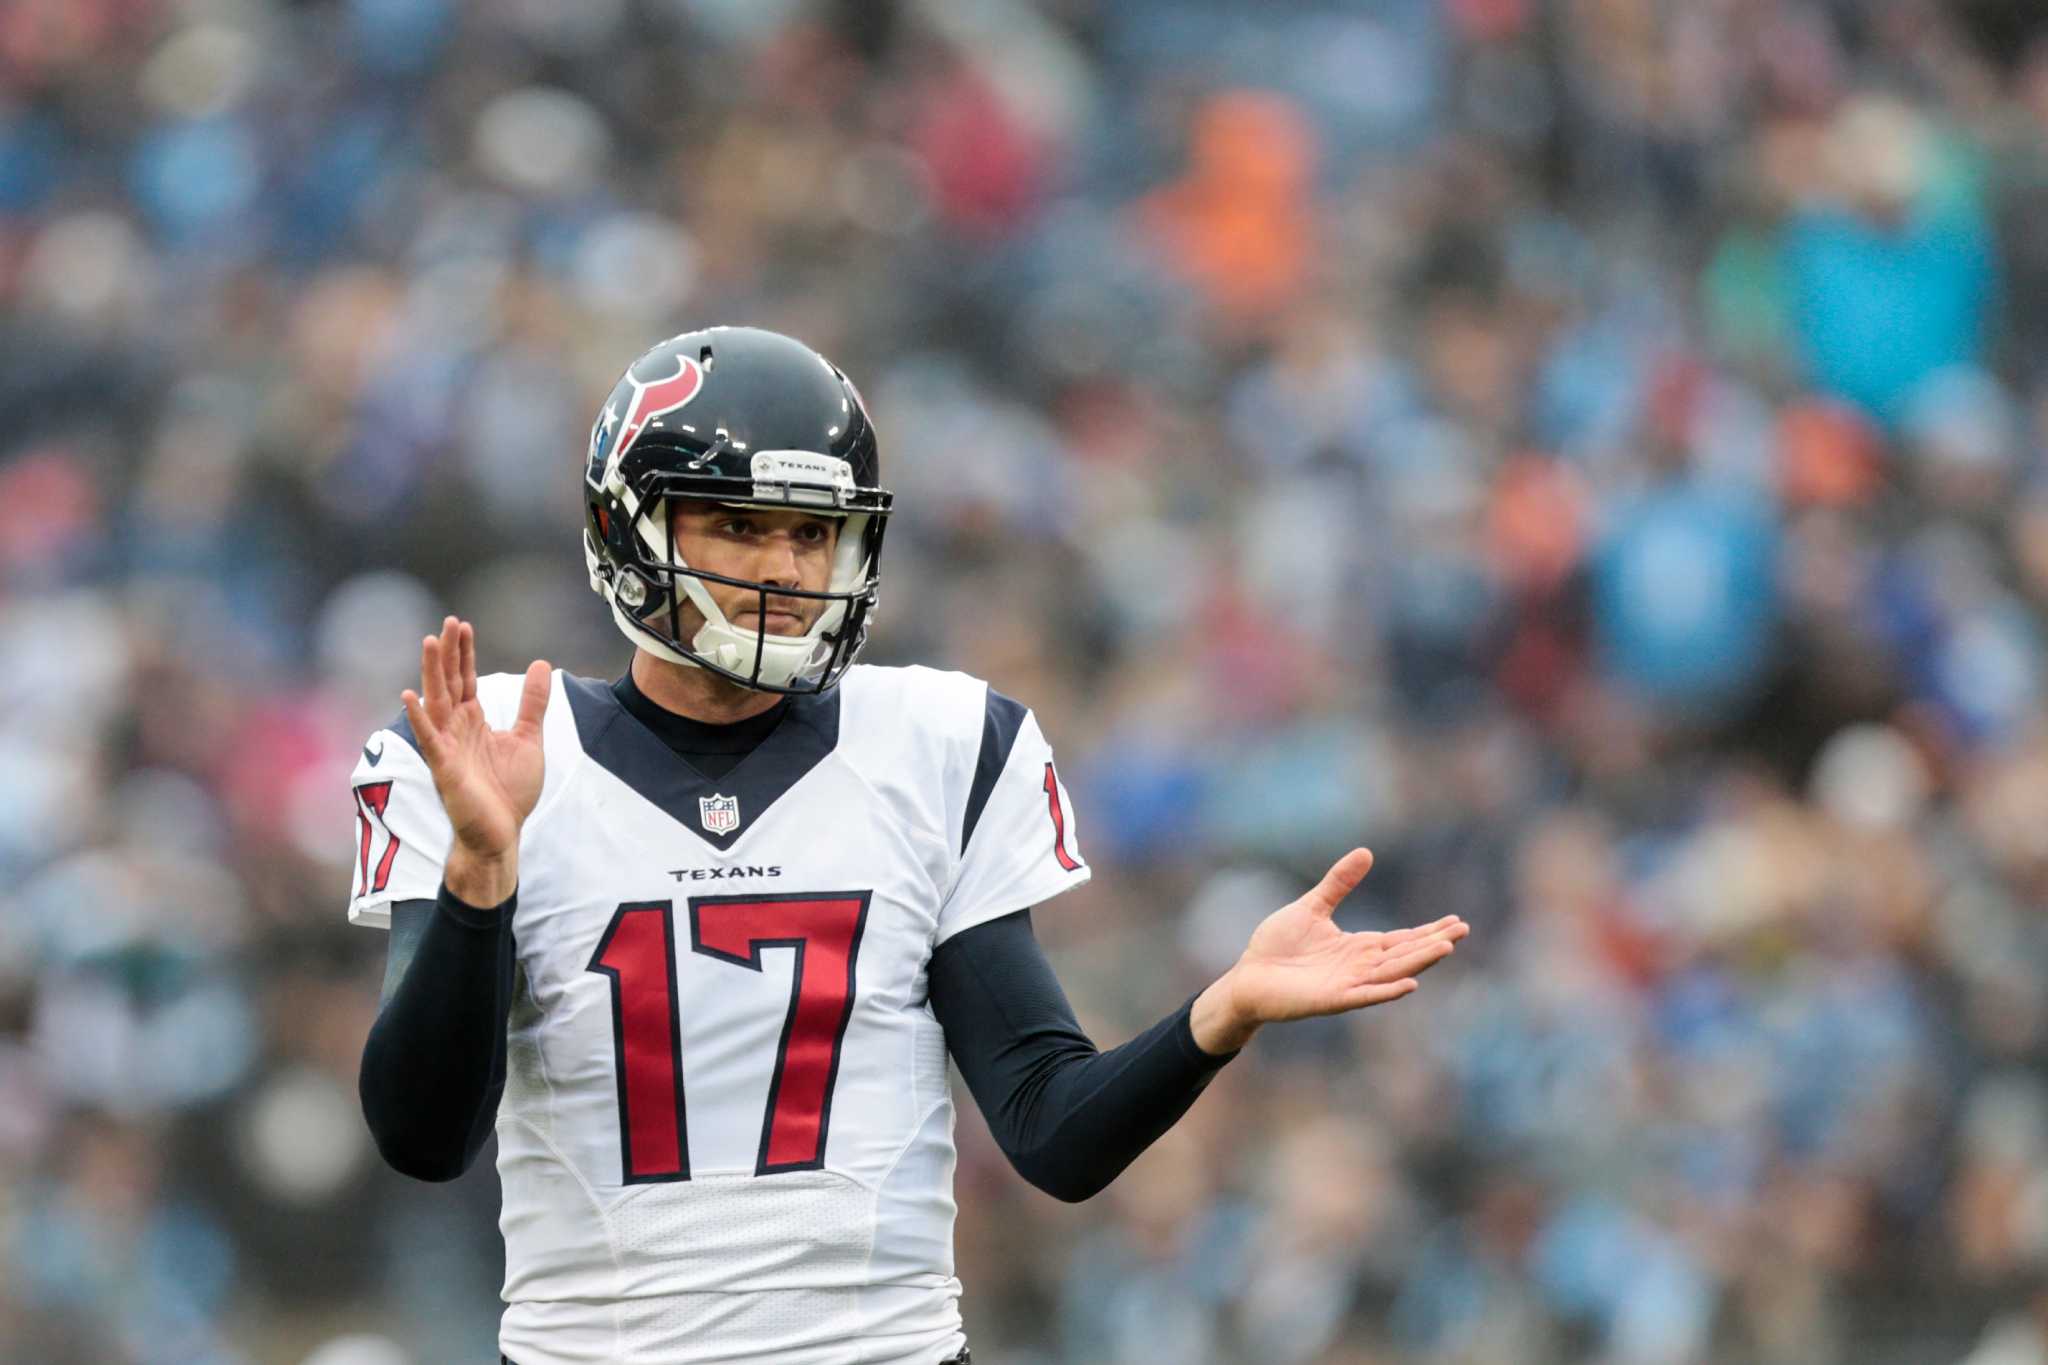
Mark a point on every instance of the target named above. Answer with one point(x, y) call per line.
point(980, 771)
point(930, 706)
point(910, 733)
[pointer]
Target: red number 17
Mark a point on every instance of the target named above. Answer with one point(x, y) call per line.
point(638, 953)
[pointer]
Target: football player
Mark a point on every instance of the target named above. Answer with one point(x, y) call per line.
point(696, 944)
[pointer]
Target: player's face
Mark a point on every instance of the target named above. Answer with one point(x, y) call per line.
point(789, 549)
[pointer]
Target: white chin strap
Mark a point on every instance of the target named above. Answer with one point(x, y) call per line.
point(785, 659)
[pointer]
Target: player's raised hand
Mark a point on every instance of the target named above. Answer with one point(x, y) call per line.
point(1299, 963)
point(488, 780)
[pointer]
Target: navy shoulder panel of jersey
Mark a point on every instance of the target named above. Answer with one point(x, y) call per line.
point(998, 736)
point(613, 737)
point(402, 727)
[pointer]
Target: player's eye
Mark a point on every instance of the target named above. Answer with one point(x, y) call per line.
point(813, 533)
point(736, 526)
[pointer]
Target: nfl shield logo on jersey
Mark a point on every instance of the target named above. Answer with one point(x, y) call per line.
point(720, 814)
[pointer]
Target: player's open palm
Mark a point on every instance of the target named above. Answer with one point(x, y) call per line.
point(1299, 963)
point(488, 780)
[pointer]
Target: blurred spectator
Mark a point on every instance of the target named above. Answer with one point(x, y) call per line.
point(1891, 273)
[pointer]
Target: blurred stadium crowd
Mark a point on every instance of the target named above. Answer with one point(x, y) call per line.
point(1591, 449)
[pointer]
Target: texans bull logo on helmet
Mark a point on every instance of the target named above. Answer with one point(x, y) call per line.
point(651, 399)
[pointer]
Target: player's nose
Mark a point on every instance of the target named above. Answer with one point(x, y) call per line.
point(777, 564)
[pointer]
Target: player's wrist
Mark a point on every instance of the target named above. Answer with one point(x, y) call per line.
point(1218, 1019)
point(481, 878)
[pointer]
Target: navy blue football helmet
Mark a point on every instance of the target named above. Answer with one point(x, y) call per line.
point(749, 418)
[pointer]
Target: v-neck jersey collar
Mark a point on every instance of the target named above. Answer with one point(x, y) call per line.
point(806, 732)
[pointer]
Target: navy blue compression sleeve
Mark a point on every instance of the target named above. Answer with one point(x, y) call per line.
point(434, 1065)
point(1068, 1116)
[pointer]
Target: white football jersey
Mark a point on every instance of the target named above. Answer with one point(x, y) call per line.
point(726, 1132)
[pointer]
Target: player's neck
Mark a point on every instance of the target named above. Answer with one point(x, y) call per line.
point(696, 692)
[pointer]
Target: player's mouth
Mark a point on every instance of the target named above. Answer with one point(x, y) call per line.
point(776, 622)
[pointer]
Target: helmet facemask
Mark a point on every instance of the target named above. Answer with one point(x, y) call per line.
point(646, 581)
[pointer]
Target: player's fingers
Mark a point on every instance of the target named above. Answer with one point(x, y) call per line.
point(423, 729)
point(533, 700)
point(451, 659)
point(433, 681)
point(1379, 993)
point(1344, 874)
point(1385, 964)
point(1411, 962)
point(1431, 959)
point(1395, 937)
point(1450, 933)
point(466, 664)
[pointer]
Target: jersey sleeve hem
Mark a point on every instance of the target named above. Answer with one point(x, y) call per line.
point(371, 914)
point(1019, 898)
